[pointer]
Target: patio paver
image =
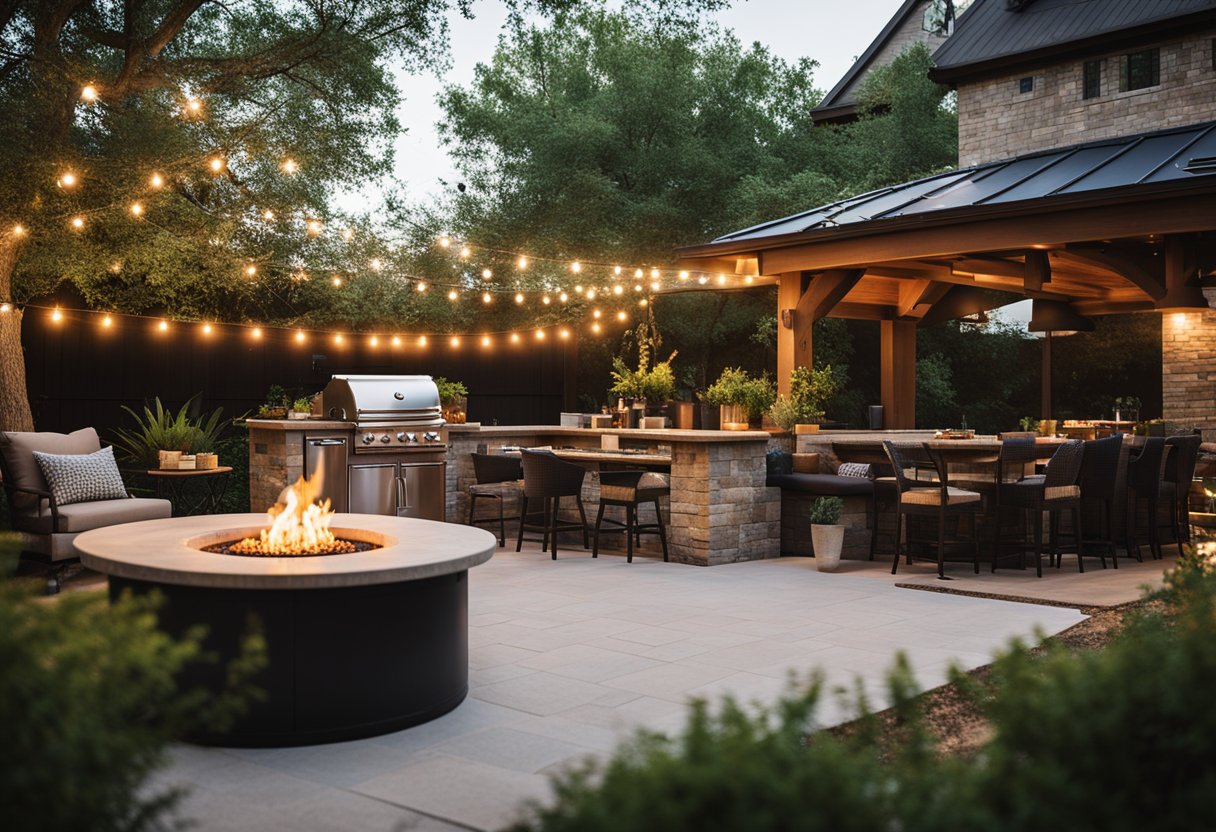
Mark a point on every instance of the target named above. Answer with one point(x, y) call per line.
point(568, 657)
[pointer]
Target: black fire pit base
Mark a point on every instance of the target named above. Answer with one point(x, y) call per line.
point(343, 663)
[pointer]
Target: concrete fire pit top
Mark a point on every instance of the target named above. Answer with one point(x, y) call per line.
point(170, 551)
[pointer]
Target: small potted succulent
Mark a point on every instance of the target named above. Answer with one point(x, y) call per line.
point(827, 535)
point(301, 408)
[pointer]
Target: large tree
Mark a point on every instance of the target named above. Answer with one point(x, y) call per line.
point(180, 156)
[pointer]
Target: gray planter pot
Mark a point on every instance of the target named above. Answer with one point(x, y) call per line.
point(827, 542)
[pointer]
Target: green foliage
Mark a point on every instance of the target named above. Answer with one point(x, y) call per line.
point(1028, 423)
point(735, 387)
point(450, 392)
point(810, 390)
point(784, 413)
point(936, 402)
point(825, 511)
point(655, 384)
point(302, 405)
point(159, 429)
point(88, 706)
point(1119, 739)
point(276, 396)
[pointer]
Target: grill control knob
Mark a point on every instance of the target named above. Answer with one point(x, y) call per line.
point(411, 437)
point(400, 436)
point(369, 438)
point(430, 436)
point(386, 439)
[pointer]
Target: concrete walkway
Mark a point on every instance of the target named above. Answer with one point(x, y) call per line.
point(569, 657)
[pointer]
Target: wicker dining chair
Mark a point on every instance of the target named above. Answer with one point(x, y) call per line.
point(1176, 484)
point(547, 480)
point(1053, 492)
point(938, 500)
point(1145, 473)
point(498, 477)
point(1099, 471)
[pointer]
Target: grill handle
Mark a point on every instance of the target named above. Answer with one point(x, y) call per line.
point(326, 442)
point(402, 494)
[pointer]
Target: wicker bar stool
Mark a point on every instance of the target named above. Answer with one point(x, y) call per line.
point(548, 479)
point(1176, 483)
point(1054, 492)
point(630, 489)
point(1144, 475)
point(938, 500)
point(1099, 471)
point(498, 477)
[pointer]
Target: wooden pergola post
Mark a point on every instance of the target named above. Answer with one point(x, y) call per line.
point(792, 351)
point(897, 352)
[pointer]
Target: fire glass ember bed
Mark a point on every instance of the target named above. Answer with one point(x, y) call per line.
point(359, 643)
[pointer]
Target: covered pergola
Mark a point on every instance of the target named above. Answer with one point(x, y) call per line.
point(1116, 226)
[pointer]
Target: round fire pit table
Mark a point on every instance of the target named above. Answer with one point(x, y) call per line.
point(358, 644)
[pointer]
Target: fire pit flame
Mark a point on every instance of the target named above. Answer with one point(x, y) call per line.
point(299, 525)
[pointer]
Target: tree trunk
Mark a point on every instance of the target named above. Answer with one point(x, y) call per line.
point(15, 411)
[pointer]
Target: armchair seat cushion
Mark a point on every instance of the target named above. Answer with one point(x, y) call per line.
point(81, 517)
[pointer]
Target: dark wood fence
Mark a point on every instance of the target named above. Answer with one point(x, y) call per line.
point(81, 373)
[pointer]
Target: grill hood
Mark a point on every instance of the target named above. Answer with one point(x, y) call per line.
point(371, 401)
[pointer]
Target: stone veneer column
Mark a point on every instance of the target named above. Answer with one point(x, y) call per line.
point(276, 458)
point(1188, 368)
point(721, 509)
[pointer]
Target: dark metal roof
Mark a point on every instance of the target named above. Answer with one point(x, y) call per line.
point(1180, 154)
point(991, 33)
point(836, 103)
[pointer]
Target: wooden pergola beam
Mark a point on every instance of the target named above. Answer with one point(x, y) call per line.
point(1140, 269)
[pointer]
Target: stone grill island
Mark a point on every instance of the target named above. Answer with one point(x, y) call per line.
point(358, 644)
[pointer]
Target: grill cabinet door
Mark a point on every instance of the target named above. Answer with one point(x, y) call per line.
point(423, 490)
point(373, 489)
point(328, 454)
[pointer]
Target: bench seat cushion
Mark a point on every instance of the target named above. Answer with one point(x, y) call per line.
point(823, 485)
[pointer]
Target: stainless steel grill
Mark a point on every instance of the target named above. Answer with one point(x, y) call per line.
point(399, 413)
point(395, 454)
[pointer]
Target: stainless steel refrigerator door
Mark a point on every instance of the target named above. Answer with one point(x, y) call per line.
point(328, 454)
point(422, 490)
point(373, 489)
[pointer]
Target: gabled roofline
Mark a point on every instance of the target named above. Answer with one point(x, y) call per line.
point(827, 109)
point(1082, 48)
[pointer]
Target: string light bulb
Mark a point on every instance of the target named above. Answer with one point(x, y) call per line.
point(88, 93)
point(464, 252)
point(656, 286)
point(300, 336)
point(377, 264)
point(193, 106)
point(486, 297)
point(256, 333)
point(721, 279)
point(156, 180)
point(637, 273)
point(514, 337)
point(522, 263)
point(77, 223)
point(338, 339)
point(206, 329)
point(348, 234)
point(136, 209)
point(590, 294)
point(396, 340)
point(595, 328)
point(546, 300)
point(616, 270)
point(485, 340)
point(313, 227)
point(597, 314)
point(445, 242)
point(18, 230)
point(67, 180)
point(702, 280)
point(251, 270)
point(373, 341)
point(454, 341)
point(453, 294)
point(748, 280)
point(622, 316)
point(683, 275)
point(486, 274)
point(576, 267)
point(563, 297)
point(422, 340)
point(290, 166)
point(56, 315)
point(540, 335)
point(421, 286)
point(268, 215)
point(163, 326)
point(107, 322)
point(216, 164)
point(618, 289)
point(519, 297)
point(6, 308)
point(337, 281)
point(563, 334)
point(643, 302)
point(654, 274)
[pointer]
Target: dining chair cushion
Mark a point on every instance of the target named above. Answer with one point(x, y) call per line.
point(650, 485)
point(82, 478)
point(496, 489)
point(1055, 492)
point(933, 496)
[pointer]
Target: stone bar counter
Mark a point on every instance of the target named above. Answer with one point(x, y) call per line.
point(720, 510)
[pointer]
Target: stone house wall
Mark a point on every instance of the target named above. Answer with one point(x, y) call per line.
point(997, 121)
point(1188, 368)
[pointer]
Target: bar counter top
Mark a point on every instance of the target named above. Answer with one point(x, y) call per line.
point(656, 435)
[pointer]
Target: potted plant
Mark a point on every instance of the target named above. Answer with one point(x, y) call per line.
point(162, 438)
point(810, 390)
point(1029, 424)
point(827, 535)
point(275, 406)
point(784, 413)
point(653, 386)
point(1127, 409)
point(300, 409)
point(454, 400)
point(711, 401)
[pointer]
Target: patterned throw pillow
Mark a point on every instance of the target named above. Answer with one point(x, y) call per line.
point(853, 469)
point(82, 478)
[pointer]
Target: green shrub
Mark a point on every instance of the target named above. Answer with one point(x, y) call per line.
point(88, 704)
point(810, 391)
point(825, 511)
point(1118, 739)
point(736, 387)
point(159, 429)
point(450, 392)
point(784, 413)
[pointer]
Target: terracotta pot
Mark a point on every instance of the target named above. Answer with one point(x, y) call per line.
point(826, 543)
point(734, 417)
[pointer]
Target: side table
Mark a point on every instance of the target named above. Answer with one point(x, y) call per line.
point(173, 484)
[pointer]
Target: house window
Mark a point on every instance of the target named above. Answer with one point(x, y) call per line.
point(1140, 70)
point(1026, 85)
point(1092, 87)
